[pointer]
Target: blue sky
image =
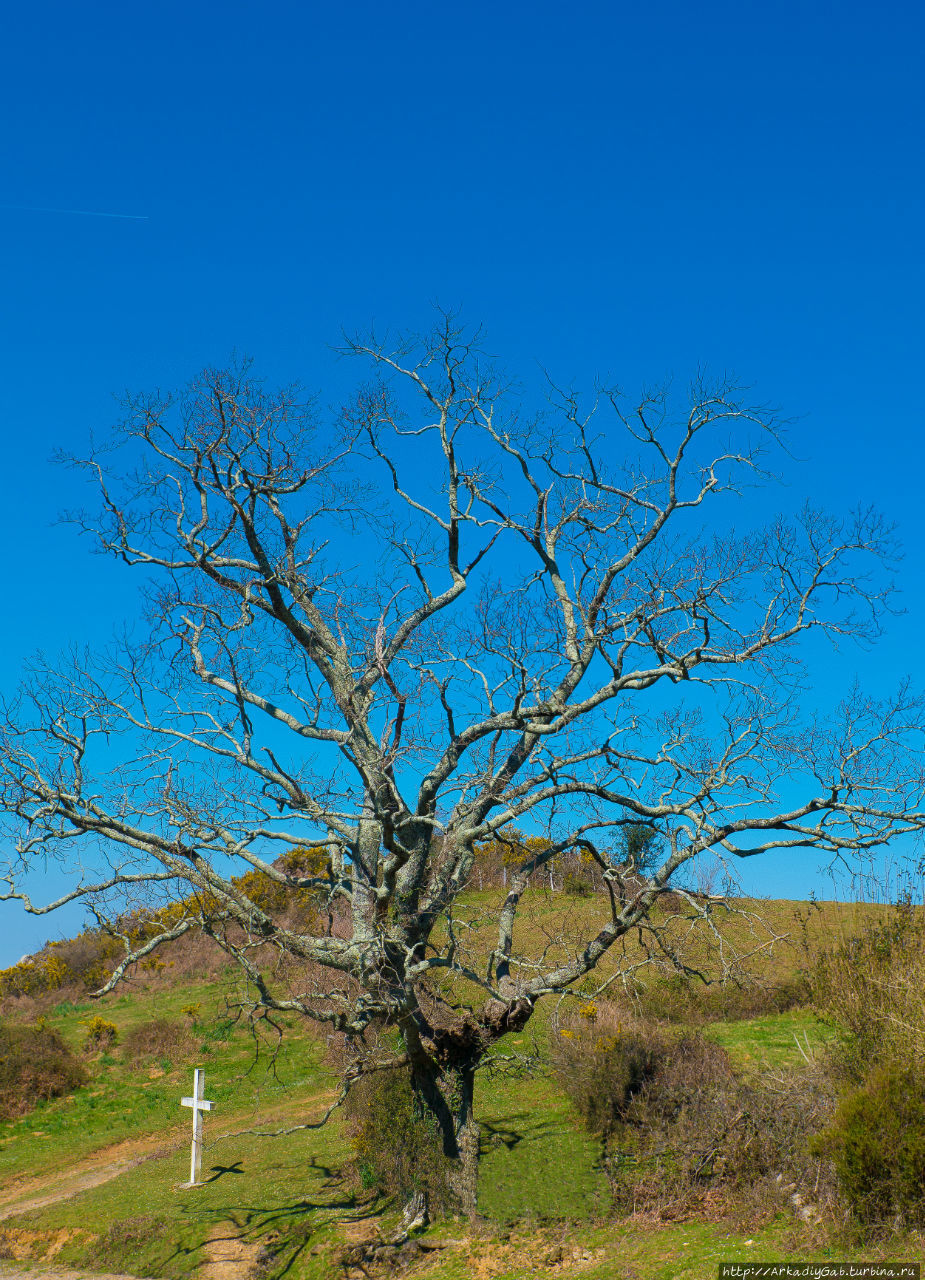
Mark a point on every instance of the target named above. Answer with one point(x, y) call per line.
point(609, 188)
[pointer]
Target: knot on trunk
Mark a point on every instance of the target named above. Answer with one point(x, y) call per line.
point(465, 1038)
point(461, 1042)
point(501, 1016)
point(459, 1038)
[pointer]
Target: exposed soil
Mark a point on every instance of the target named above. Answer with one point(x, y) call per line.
point(22, 1194)
point(10, 1271)
point(228, 1255)
point(18, 1245)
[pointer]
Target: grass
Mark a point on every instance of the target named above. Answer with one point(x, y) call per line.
point(125, 1101)
point(771, 1040)
point(536, 1162)
point(144, 1220)
point(296, 1200)
point(266, 1188)
point(296, 1205)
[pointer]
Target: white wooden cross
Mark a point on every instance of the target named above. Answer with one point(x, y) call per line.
point(199, 1105)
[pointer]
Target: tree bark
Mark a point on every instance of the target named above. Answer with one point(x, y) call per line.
point(445, 1091)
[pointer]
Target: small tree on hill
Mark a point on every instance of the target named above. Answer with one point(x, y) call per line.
point(398, 635)
point(640, 847)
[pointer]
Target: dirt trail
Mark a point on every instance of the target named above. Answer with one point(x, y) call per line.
point(18, 1196)
point(70, 1185)
point(22, 1194)
point(228, 1255)
point(12, 1271)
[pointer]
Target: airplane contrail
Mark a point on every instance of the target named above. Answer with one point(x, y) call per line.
point(83, 213)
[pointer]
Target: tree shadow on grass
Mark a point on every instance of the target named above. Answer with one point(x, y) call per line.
point(285, 1231)
point(507, 1131)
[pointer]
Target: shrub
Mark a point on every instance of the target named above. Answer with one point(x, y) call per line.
point(101, 1033)
point(35, 1065)
point(602, 1057)
point(399, 1151)
point(83, 962)
point(673, 1118)
point(159, 1038)
point(275, 898)
point(871, 988)
point(694, 1125)
point(577, 884)
point(89, 958)
point(877, 1145)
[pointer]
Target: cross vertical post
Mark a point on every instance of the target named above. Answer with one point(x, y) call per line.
point(198, 1104)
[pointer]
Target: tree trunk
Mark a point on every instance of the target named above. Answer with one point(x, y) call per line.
point(445, 1091)
point(464, 1176)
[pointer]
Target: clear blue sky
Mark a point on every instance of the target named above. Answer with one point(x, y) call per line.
point(610, 187)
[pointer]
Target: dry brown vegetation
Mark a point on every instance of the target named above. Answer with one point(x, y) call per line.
point(158, 1038)
point(35, 1065)
point(677, 1123)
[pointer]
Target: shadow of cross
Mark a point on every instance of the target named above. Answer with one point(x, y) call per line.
point(198, 1104)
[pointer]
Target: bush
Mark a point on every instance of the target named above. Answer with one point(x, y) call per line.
point(871, 988)
point(159, 1038)
point(101, 1033)
point(695, 1126)
point(83, 962)
point(577, 884)
point(399, 1151)
point(674, 1119)
point(602, 1058)
point(877, 1145)
point(35, 1065)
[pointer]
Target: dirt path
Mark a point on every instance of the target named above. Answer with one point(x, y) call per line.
point(228, 1255)
point(23, 1194)
point(70, 1185)
point(12, 1271)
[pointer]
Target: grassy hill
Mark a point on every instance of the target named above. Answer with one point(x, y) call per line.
point(95, 1179)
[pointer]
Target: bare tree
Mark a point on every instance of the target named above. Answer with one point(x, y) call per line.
point(399, 633)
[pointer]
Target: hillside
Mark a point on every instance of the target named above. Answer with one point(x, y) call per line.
point(95, 1178)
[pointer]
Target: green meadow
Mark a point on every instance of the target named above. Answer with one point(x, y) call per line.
point(293, 1204)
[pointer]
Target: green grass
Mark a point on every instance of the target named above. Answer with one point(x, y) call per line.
point(270, 1189)
point(123, 1101)
point(536, 1162)
point(540, 1186)
point(771, 1040)
point(542, 1190)
point(292, 1194)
